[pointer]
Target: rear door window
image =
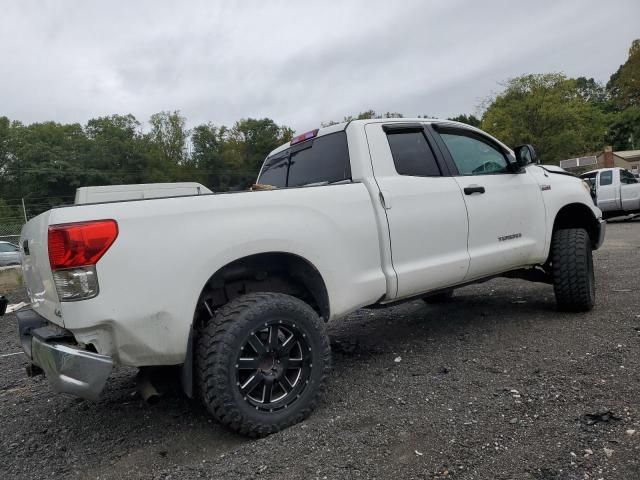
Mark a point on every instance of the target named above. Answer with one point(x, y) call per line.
point(627, 177)
point(320, 161)
point(327, 160)
point(274, 171)
point(412, 155)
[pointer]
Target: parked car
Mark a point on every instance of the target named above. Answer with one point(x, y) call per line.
point(9, 254)
point(616, 191)
point(365, 213)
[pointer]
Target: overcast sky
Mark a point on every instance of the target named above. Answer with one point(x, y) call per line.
point(299, 63)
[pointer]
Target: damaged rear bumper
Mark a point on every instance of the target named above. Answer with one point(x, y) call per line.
point(68, 368)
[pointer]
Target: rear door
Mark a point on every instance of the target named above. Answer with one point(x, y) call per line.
point(629, 191)
point(608, 191)
point(507, 218)
point(424, 207)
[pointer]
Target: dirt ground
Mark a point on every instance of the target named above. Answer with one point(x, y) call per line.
point(494, 385)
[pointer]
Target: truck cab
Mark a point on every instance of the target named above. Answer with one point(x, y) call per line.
point(616, 191)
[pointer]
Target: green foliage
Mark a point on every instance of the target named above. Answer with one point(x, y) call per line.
point(468, 119)
point(367, 114)
point(44, 163)
point(624, 132)
point(251, 138)
point(624, 84)
point(592, 92)
point(549, 111)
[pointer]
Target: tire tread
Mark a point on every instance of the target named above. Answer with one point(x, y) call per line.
point(572, 266)
point(216, 342)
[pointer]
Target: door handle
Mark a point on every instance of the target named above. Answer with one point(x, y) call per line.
point(471, 189)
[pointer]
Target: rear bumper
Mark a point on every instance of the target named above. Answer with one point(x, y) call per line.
point(68, 368)
point(602, 228)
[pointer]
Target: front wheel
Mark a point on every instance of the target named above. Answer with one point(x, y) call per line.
point(572, 266)
point(262, 362)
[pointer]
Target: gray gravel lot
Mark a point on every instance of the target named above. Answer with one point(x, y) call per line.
point(495, 385)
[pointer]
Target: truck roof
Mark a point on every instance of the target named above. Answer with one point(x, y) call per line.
point(338, 127)
point(601, 170)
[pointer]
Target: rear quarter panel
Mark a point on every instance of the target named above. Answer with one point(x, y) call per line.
point(167, 249)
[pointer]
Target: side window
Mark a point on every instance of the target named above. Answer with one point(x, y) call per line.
point(327, 160)
point(606, 178)
point(473, 156)
point(412, 155)
point(627, 177)
point(7, 247)
point(274, 171)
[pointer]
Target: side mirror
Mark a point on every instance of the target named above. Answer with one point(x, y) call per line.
point(525, 154)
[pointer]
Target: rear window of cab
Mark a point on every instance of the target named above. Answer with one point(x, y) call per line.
point(322, 160)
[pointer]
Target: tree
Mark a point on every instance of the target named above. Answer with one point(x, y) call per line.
point(548, 111)
point(624, 132)
point(117, 149)
point(207, 156)
point(47, 163)
point(169, 134)
point(468, 119)
point(250, 140)
point(367, 114)
point(592, 91)
point(624, 84)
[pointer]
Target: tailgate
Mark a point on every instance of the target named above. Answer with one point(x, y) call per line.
point(36, 268)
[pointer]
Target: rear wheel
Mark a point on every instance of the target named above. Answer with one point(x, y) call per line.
point(572, 266)
point(262, 362)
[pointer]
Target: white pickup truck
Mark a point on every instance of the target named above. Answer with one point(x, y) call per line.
point(236, 288)
point(616, 191)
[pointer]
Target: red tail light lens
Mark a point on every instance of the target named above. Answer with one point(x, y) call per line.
point(80, 244)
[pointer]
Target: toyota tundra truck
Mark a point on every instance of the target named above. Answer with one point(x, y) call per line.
point(236, 288)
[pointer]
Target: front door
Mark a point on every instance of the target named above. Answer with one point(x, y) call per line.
point(507, 226)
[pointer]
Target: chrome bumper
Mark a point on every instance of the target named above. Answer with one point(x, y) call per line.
point(68, 368)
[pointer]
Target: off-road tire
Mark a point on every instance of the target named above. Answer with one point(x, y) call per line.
point(442, 297)
point(572, 268)
point(217, 350)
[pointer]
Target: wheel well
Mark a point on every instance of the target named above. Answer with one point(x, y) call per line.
point(268, 272)
point(577, 215)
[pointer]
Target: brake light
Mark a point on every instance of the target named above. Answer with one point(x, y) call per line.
point(305, 136)
point(80, 244)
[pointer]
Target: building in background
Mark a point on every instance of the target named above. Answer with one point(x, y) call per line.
point(628, 159)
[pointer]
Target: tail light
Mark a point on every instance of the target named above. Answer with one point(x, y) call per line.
point(303, 137)
point(74, 250)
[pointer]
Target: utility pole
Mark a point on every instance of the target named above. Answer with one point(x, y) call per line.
point(24, 211)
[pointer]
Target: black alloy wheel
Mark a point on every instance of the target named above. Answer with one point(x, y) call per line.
point(274, 366)
point(261, 361)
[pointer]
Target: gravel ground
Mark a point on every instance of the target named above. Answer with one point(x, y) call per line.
point(495, 385)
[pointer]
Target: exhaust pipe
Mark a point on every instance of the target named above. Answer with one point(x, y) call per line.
point(145, 388)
